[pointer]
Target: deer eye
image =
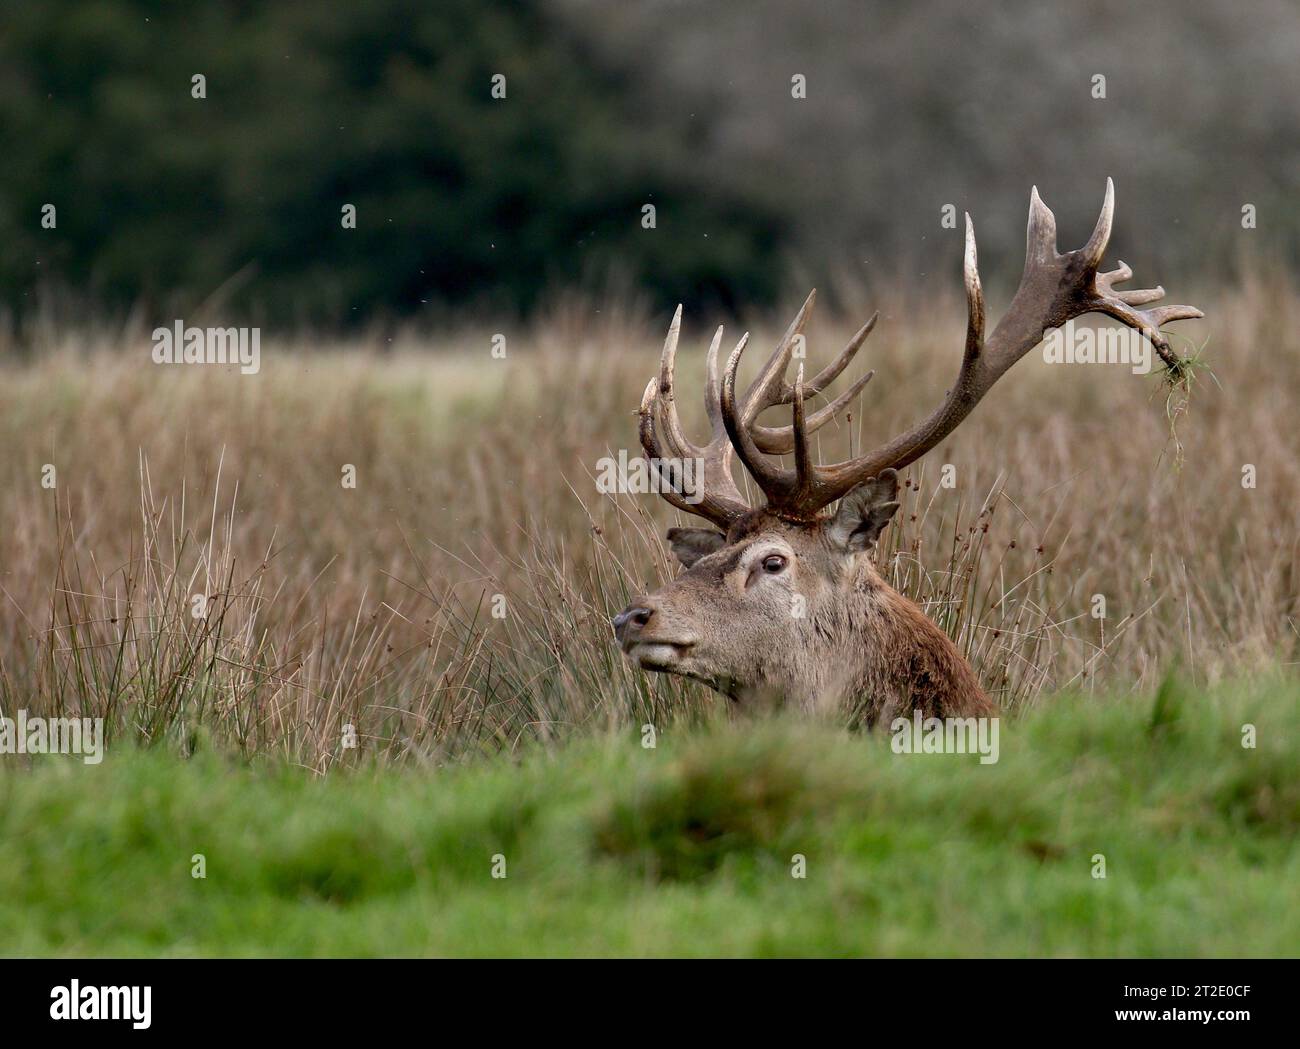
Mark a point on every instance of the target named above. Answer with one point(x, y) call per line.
point(773, 563)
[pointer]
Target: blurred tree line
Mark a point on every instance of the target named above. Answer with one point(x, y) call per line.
point(386, 106)
point(1193, 106)
point(461, 198)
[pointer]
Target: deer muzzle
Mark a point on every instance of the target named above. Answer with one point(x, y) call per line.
point(641, 635)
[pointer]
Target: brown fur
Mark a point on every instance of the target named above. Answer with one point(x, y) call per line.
point(826, 634)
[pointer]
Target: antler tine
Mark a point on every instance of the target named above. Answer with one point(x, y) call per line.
point(770, 478)
point(713, 390)
point(666, 402)
point(1137, 297)
point(1095, 249)
point(653, 450)
point(974, 295)
point(770, 387)
point(1040, 237)
point(831, 372)
point(717, 497)
point(803, 466)
point(779, 440)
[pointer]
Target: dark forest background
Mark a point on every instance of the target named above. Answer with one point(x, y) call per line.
point(234, 200)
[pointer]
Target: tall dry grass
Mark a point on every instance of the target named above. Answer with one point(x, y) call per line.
point(458, 598)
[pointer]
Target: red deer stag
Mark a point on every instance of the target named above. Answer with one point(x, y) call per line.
point(776, 606)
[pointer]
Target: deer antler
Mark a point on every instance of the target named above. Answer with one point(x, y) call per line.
point(662, 438)
point(1054, 288)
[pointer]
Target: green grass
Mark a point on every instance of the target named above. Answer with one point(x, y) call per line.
point(686, 849)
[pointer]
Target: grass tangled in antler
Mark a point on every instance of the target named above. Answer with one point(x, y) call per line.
point(1181, 372)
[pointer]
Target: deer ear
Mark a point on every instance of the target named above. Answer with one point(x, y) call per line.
point(690, 544)
point(864, 512)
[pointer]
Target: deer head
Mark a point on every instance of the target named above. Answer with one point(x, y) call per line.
point(776, 603)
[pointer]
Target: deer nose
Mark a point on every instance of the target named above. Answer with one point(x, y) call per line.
point(637, 615)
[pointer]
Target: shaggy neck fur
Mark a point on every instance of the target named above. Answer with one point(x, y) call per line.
point(902, 662)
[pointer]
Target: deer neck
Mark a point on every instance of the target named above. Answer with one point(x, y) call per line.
point(903, 662)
